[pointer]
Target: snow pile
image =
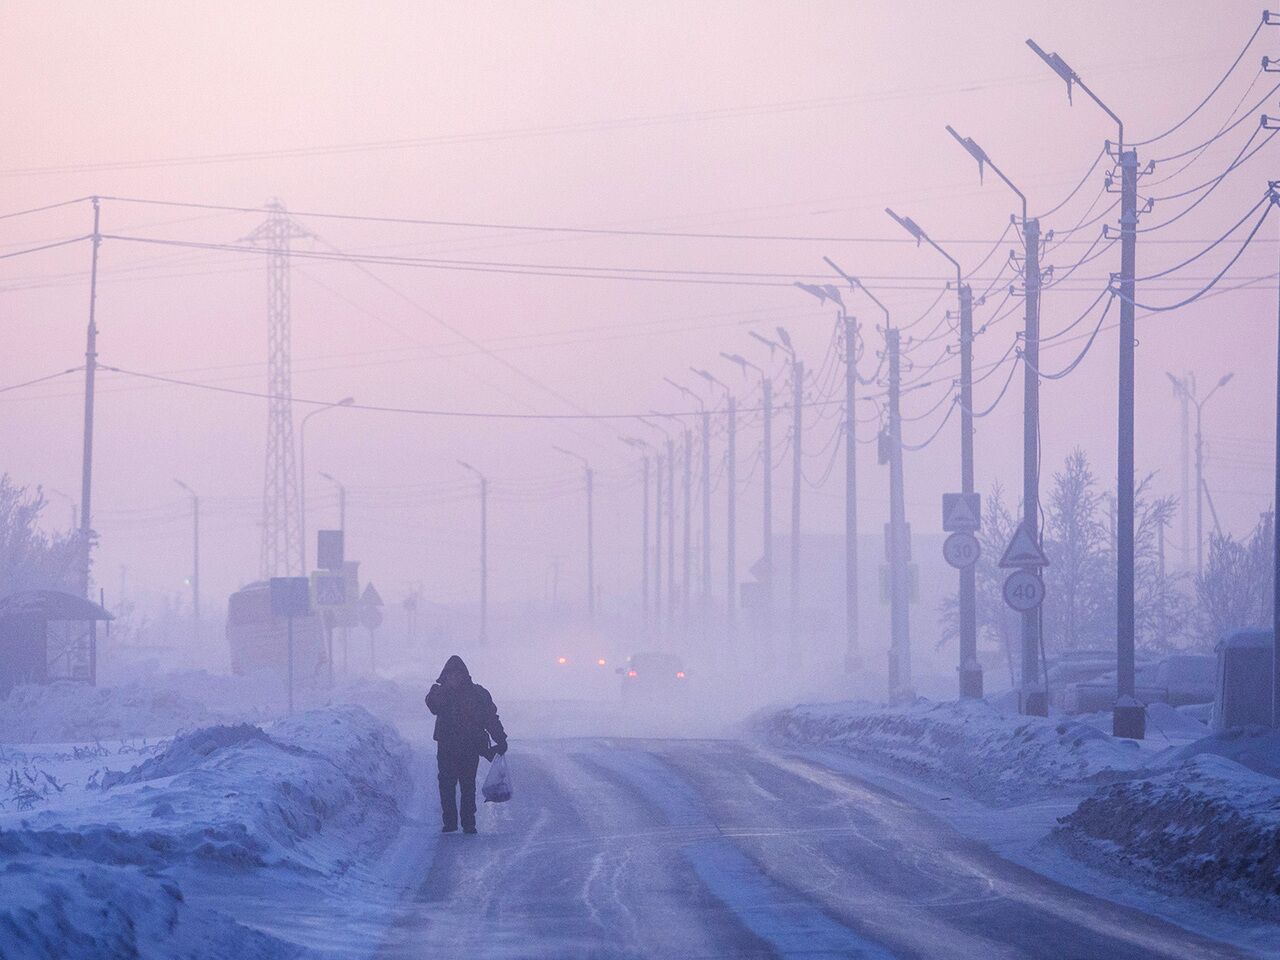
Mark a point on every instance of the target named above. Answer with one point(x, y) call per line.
point(61, 909)
point(971, 743)
point(1209, 827)
point(71, 712)
point(306, 796)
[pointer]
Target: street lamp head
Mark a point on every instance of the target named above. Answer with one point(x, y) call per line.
point(1226, 378)
point(786, 341)
point(1057, 65)
point(972, 148)
point(907, 224)
point(765, 340)
point(346, 402)
point(705, 375)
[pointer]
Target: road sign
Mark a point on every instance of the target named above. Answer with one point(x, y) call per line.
point(371, 597)
point(1023, 551)
point(961, 512)
point(331, 589)
point(961, 550)
point(762, 570)
point(370, 617)
point(290, 597)
point(1023, 590)
point(329, 548)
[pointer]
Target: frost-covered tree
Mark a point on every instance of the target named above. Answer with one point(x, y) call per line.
point(31, 559)
point(1235, 590)
point(1079, 606)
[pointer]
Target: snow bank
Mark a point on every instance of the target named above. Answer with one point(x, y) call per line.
point(71, 712)
point(992, 754)
point(1209, 827)
point(308, 795)
point(61, 909)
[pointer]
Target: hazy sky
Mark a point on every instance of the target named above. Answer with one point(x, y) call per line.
point(796, 119)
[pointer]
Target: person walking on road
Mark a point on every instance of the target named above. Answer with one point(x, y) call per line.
point(466, 721)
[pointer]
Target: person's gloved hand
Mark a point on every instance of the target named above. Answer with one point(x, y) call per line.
point(501, 749)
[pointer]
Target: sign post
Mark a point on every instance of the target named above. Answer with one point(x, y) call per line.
point(1024, 592)
point(290, 597)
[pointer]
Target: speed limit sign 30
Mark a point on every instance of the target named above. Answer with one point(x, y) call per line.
point(961, 550)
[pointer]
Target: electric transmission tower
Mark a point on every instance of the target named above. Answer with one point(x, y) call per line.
point(281, 509)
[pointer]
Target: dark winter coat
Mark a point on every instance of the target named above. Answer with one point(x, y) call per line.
point(466, 717)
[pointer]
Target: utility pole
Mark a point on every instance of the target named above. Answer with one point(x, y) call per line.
point(86, 475)
point(704, 603)
point(706, 523)
point(671, 538)
point(852, 656)
point(797, 386)
point(657, 549)
point(637, 444)
point(1033, 697)
point(731, 483)
point(589, 477)
point(899, 584)
point(1273, 188)
point(1185, 389)
point(970, 668)
point(1128, 718)
point(766, 391)
point(195, 562)
point(1184, 506)
point(688, 511)
point(484, 548)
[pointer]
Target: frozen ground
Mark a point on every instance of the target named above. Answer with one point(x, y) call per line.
point(1193, 817)
point(656, 832)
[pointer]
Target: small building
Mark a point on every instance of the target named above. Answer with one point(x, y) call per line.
point(47, 635)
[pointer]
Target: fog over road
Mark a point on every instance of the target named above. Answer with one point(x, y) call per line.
point(717, 848)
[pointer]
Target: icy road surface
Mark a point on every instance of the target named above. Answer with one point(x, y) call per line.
point(717, 849)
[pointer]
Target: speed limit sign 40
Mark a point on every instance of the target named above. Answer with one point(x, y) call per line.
point(1023, 590)
point(961, 550)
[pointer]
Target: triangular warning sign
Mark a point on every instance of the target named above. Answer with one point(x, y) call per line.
point(1023, 551)
point(961, 511)
point(371, 597)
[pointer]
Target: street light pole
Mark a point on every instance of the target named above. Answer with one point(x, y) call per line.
point(1033, 698)
point(970, 669)
point(1128, 718)
point(484, 548)
point(731, 487)
point(637, 444)
point(705, 416)
point(195, 561)
point(899, 586)
point(1186, 389)
point(589, 476)
point(302, 471)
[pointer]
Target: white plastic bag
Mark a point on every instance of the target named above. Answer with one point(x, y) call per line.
point(497, 783)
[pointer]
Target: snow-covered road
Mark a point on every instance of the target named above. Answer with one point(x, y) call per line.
point(712, 848)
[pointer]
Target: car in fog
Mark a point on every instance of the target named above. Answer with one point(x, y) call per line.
point(1177, 680)
point(652, 676)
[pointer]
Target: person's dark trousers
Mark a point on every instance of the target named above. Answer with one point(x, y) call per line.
point(457, 772)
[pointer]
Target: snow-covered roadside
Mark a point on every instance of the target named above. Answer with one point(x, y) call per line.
point(970, 744)
point(1209, 827)
point(1197, 830)
point(148, 858)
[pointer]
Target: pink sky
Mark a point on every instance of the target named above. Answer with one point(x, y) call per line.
point(822, 114)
